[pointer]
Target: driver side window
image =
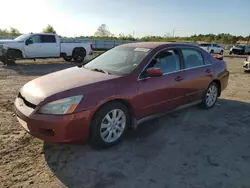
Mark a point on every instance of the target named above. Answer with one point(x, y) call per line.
point(167, 60)
point(34, 39)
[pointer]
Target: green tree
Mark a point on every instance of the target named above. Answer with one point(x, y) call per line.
point(103, 31)
point(49, 29)
point(14, 31)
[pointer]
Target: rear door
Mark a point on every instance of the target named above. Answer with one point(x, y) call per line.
point(158, 94)
point(198, 73)
point(50, 46)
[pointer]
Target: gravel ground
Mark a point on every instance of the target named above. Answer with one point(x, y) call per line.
point(192, 148)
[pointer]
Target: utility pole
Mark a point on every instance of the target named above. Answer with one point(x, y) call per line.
point(173, 32)
point(248, 39)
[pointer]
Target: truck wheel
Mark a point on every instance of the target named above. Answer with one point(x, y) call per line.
point(221, 52)
point(212, 51)
point(67, 58)
point(79, 55)
point(230, 53)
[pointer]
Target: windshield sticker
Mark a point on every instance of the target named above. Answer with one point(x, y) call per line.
point(142, 49)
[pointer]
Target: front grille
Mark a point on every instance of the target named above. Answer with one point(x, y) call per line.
point(27, 103)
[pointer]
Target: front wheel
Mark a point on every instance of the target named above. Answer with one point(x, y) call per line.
point(221, 52)
point(210, 96)
point(109, 125)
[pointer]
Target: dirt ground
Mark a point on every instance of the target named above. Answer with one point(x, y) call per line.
point(192, 148)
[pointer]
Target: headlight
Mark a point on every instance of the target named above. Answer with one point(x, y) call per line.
point(62, 106)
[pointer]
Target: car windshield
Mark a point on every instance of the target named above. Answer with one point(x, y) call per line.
point(21, 37)
point(119, 60)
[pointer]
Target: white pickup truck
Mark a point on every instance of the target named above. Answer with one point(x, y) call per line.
point(41, 46)
point(212, 48)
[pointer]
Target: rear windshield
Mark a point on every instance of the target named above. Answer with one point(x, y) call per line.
point(204, 45)
point(119, 60)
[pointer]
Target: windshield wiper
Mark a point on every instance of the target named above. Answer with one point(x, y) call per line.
point(100, 70)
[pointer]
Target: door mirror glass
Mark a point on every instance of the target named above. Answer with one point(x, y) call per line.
point(154, 72)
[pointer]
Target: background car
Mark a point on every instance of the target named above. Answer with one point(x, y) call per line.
point(118, 90)
point(240, 49)
point(246, 65)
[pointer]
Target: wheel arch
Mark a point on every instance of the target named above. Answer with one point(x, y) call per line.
point(218, 83)
point(122, 101)
point(17, 52)
point(79, 48)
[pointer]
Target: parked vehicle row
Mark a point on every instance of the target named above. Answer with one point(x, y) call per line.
point(119, 89)
point(40, 46)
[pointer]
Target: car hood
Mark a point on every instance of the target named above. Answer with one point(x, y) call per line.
point(43, 87)
point(7, 41)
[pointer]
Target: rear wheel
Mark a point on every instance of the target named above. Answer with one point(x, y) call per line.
point(221, 52)
point(109, 125)
point(210, 96)
point(212, 51)
point(79, 55)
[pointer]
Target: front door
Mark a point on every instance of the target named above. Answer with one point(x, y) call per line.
point(33, 47)
point(158, 94)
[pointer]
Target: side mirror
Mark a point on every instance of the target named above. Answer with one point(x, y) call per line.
point(154, 72)
point(27, 42)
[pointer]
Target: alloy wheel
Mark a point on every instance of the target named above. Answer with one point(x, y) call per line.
point(113, 125)
point(211, 96)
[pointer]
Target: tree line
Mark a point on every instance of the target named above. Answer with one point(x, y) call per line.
point(103, 33)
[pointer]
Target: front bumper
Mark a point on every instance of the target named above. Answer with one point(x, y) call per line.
point(246, 66)
point(3, 50)
point(55, 128)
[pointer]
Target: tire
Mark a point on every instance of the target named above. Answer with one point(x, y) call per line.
point(213, 89)
point(221, 52)
point(79, 55)
point(230, 53)
point(212, 51)
point(68, 59)
point(107, 139)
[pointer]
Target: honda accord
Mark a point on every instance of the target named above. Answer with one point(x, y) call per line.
point(99, 101)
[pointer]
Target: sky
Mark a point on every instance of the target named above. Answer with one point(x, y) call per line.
point(138, 17)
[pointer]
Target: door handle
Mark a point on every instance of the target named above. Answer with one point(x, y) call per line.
point(208, 71)
point(179, 78)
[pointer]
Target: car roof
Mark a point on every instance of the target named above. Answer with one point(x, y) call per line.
point(155, 44)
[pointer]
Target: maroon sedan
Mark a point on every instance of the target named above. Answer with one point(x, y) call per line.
point(118, 90)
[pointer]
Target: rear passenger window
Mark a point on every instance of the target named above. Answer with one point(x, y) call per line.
point(48, 39)
point(192, 58)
